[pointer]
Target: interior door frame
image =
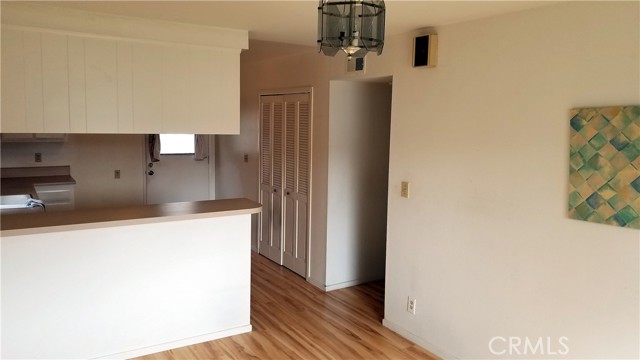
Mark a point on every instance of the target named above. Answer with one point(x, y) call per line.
point(211, 160)
point(284, 92)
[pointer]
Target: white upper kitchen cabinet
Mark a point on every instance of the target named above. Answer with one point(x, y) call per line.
point(55, 83)
point(69, 71)
point(147, 88)
point(32, 47)
point(13, 84)
point(101, 87)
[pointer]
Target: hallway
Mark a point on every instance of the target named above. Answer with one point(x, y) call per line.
point(294, 320)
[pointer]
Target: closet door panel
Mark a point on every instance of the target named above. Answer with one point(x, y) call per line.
point(265, 178)
point(302, 220)
point(275, 252)
point(303, 176)
point(290, 204)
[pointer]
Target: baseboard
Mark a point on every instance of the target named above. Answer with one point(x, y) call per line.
point(179, 343)
point(429, 347)
point(316, 283)
point(341, 285)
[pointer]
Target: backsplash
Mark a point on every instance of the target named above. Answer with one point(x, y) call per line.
point(93, 159)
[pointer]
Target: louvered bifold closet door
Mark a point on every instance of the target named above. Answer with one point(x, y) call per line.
point(275, 246)
point(266, 115)
point(271, 168)
point(297, 174)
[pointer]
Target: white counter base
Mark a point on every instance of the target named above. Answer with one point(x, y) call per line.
point(127, 290)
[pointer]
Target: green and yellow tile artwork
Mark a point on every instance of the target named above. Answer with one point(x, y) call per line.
point(604, 165)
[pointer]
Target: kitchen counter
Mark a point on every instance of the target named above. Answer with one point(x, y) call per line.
point(113, 283)
point(23, 180)
point(20, 224)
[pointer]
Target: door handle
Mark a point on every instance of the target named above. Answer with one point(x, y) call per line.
point(150, 173)
point(288, 193)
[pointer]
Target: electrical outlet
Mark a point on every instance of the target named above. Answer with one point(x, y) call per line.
point(116, 174)
point(38, 157)
point(246, 157)
point(404, 189)
point(411, 305)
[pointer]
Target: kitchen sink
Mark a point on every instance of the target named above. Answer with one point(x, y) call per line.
point(22, 203)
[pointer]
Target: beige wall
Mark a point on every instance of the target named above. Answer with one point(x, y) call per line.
point(92, 158)
point(235, 178)
point(484, 243)
point(359, 120)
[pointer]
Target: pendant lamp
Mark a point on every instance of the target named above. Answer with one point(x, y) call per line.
point(355, 27)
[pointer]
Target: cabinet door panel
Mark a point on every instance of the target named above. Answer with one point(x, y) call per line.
point(33, 81)
point(77, 85)
point(13, 85)
point(101, 87)
point(231, 81)
point(202, 94)
point(175, 85)
point(147, 88)
point(265, 221)
point(125, 87)
point(302, 221)
point(226, 89)
point(55, 83)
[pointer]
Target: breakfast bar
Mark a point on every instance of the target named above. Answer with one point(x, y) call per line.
point(125, 282)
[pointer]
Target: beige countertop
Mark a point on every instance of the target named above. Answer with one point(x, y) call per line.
point(22, 224)
point(26, 185)
point(23, 180)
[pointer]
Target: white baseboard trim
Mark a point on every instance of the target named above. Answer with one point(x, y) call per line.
point(418, 340)
point(316, 283)
point(179, 343)
point(345, 284)
point(341, 285)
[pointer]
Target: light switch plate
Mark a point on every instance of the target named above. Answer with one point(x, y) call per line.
point(404, 190)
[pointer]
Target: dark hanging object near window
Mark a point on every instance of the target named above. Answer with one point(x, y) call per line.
point(355, 27)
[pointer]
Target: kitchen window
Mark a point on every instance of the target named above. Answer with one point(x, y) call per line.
point(177, 144)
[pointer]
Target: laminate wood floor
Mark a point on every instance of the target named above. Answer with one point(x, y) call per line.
point(294, 320)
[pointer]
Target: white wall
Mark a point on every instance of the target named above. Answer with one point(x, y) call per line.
point(92, 158)
point(484, 242)
point(359, 120)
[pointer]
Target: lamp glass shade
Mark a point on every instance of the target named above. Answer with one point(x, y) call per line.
point(354, 27)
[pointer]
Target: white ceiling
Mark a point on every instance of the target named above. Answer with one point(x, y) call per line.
point(295, 21)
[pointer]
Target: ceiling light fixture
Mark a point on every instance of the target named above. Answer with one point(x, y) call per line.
point(355, 27)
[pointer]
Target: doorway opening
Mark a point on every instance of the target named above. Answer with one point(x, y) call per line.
point(178, 172)
point(358, 181)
